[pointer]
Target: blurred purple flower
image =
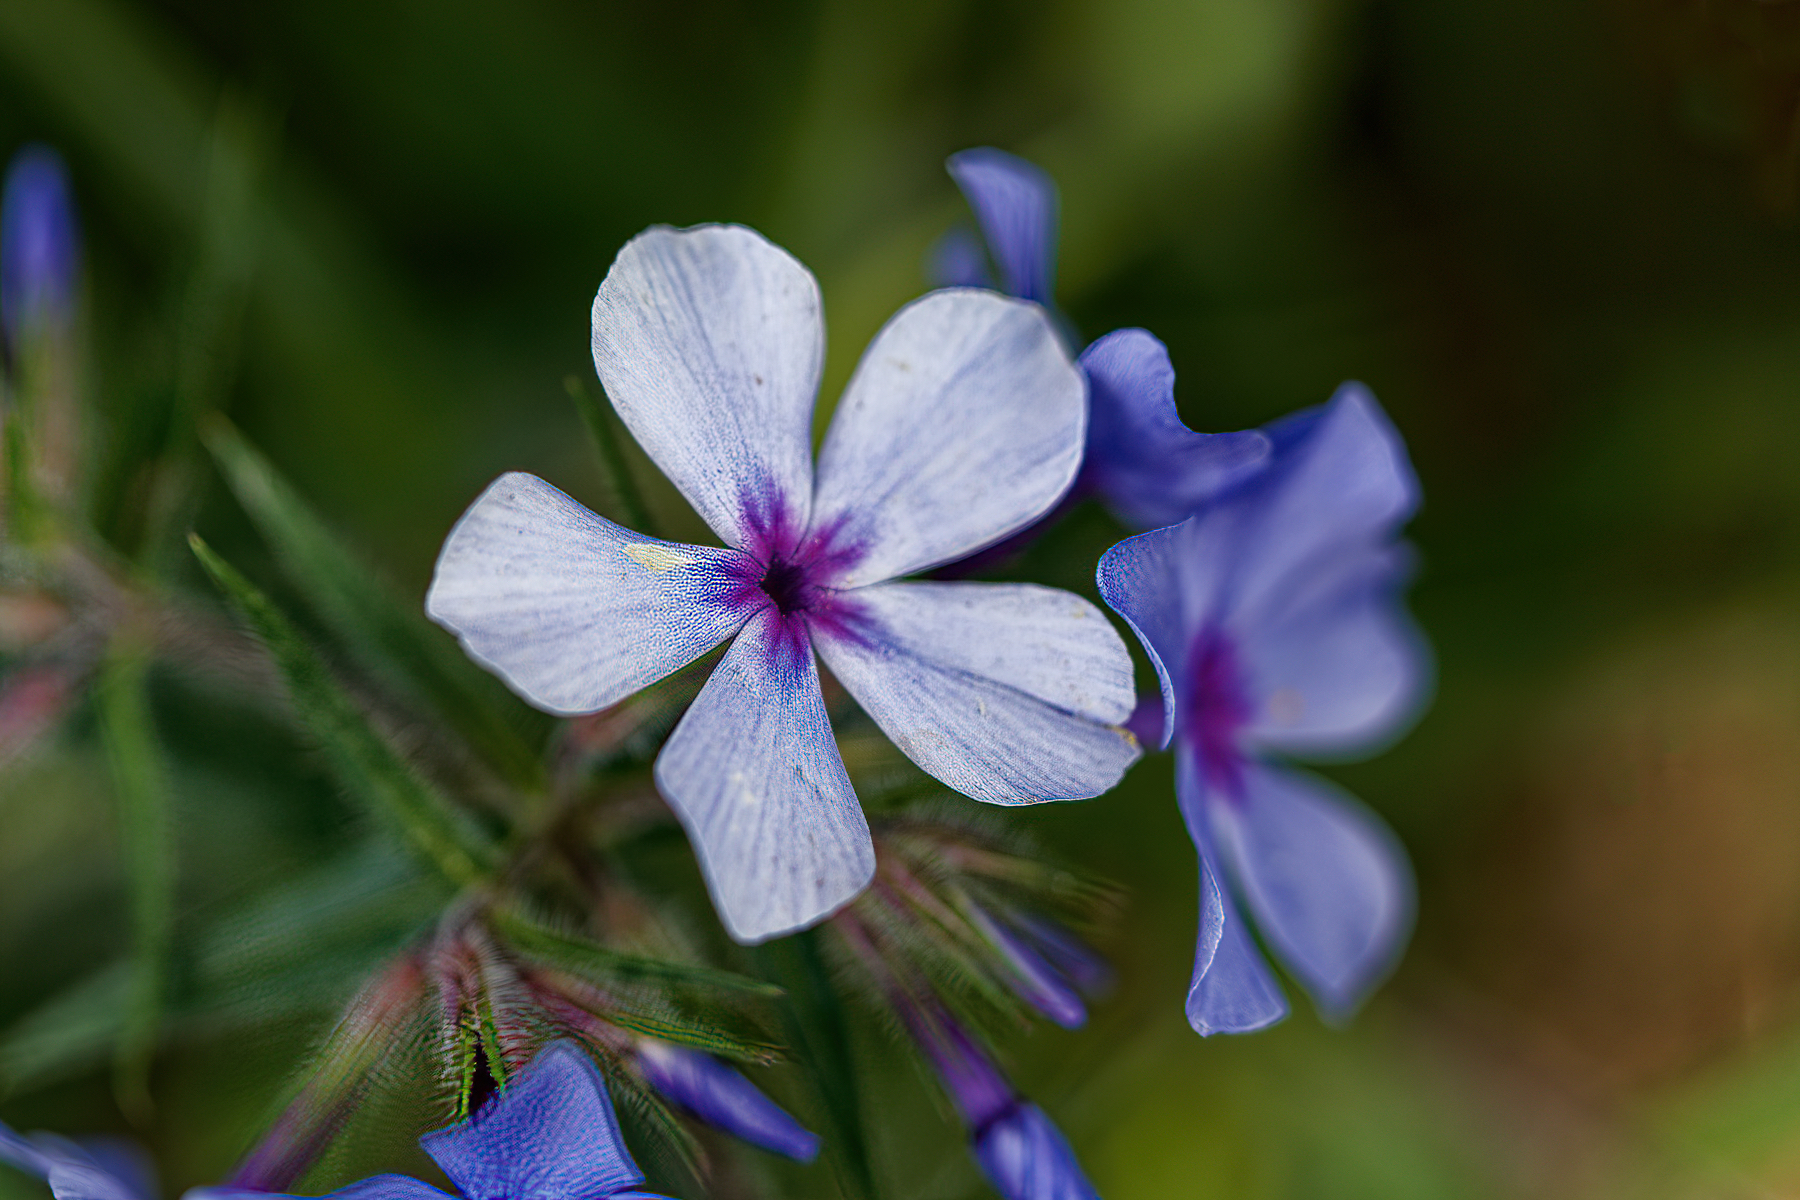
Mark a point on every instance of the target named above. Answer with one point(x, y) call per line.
point(1147, 466)
point(723, 1098)
point(549, 1135)
point(1274, 621)
point(38, 247)
point(1020, 1150)
point(962, 423)
point(91, 1169)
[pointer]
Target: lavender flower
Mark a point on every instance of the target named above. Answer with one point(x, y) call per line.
point(38, 246)
point(1019, 1148)
point(1147, 466)
point(1273, 619)
point(95, 1169)
point(723, 1098)
point(963, 423)
point(549, 1135)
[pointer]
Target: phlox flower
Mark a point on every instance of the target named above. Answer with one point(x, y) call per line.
point(549, 1135)
point(1147, 466)
point(91, 1169)
point(1274, 622)
point(963, 422)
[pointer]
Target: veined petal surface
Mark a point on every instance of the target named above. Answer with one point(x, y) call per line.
point(963, 422)
point(1140, 578)
point(1339, 477)
point(1152, 469)
point(1015, 203)
point(1233, 990)
point(549, 1135)
point(709, 341)
point(1334, 662)
point(1327, 880)
point(754, 774)
point(375, 1187)
point(1010, 693)
point(574, 612)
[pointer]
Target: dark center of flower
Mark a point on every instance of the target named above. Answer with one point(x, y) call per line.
point(786, 584)
point(1217, 710)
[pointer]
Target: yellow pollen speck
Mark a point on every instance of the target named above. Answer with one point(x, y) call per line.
point(655, 558)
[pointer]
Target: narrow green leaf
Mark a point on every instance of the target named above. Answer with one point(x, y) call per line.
point(590, 960)
point(73, 1031)
point(820, 1030)
point(629, 501)
point(388, 638)
point(140, 777)
point(365, 763)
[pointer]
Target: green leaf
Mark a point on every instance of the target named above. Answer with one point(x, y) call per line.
point(363, 760)
point(820, 1029)
point(141, 779)
point(390, 639)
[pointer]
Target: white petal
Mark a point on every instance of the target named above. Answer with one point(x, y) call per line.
point(574, 612)
point(754, 775)
point(1010, 693)
point(709, 342)
point(963, 423)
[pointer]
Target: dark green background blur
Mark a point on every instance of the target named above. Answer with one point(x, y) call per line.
point(1557, 238)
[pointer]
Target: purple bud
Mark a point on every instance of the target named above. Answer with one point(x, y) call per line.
point(1073, 958)
point(1026, 1157)
point(981, 1094)
point(38, 247)
point(724, 1099)
point(957, 260)
point(1033, 979)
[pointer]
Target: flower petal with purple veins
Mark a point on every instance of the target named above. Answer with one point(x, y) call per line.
point(1151, 469)
point(1009, 693)
point(963, 422)
point(709, 342)
point(573, 611)
point(549, 1135)
point(1233, 990)
point(1326, 879)
point(1016, 205)
point(1334, 663)
point(1026, 1157)
point(720, 1095)
point(754, 774)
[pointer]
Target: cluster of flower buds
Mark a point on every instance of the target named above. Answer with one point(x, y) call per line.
point(956, 919)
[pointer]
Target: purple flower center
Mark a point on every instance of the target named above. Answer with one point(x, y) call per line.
point(794, 570)
point(786, 584)
point(1216, 710)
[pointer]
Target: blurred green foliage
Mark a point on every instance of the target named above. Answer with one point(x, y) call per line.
point(1556, 238)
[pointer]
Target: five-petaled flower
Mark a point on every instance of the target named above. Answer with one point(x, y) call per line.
point(1146, 465)
point(549, 1135)
point(1274, 622)
point(963, 422)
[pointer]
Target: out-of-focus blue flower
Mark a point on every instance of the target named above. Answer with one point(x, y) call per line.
point(38, 246)
point(962, 424)
point(1020, 1150)
point(1274, 620)
point(94, 1169)
point(723, 1098)
point(549, 1135)
point(1147, 466)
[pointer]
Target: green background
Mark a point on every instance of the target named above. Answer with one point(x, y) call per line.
point(1556, 237)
